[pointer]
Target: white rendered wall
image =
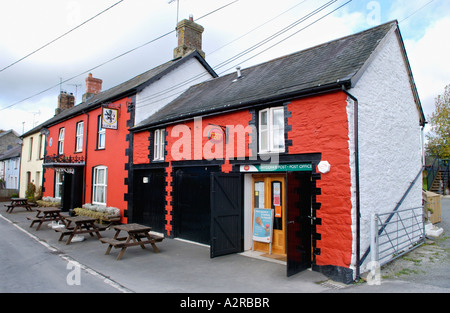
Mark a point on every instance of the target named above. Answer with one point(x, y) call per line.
point(170, 86)
point(390, 153)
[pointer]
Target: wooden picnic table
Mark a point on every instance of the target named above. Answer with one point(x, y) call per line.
point(18, 202)
point(46, 215)
point(135, 234)
point(80, 225)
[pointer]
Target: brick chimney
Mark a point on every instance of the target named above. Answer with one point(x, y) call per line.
point(189, 38)
point(93, 87)
point(65, 101)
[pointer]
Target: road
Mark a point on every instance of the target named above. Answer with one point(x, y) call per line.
point(34, 261)
point(31, 266)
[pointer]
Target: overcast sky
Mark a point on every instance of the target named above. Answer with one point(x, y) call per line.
point(27, 25)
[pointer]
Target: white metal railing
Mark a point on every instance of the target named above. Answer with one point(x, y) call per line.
point(396, 233)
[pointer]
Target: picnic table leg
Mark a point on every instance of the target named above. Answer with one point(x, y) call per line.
point(155, 248)
point(124, 247)
point(122, 251)
point(40, 222)
point(72, 234)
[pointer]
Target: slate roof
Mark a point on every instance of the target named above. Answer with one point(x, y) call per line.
point(125, 89)
point(11, 153)
point(329, 65)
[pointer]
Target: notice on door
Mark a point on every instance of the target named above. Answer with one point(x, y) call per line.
point(263, 225)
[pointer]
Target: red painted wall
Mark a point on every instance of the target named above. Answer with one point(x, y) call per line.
point(140, 148)
point(113, 156)
point(320, 124)
point(182, 140)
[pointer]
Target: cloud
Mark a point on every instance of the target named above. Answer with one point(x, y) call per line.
point(429, 58)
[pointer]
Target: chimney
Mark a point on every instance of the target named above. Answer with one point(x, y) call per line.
point(189, 38)
point(65, 101)
point(93, 87)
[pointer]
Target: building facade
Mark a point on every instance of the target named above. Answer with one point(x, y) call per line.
point(31, 171)
point(88, 146)
point(305, 143)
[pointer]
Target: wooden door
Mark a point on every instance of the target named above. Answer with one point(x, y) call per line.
point(269, 192)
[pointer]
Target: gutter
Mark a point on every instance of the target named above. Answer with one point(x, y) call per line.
point(358, 204)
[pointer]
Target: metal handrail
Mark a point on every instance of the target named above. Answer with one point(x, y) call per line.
point(432, 172)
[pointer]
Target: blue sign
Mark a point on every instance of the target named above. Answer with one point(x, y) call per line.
point(263, 225)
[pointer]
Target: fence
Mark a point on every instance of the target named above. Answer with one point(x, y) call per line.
point(396, 233)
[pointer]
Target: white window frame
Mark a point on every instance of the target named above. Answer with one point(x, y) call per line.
point(30, 152)
point(59, 179)
point(159, 139)
point(61, 141)
point(268, 131)
point(79, 137)
point(101, 134)
point(98, 186)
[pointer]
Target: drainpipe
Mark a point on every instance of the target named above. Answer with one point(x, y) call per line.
point(358, 207)
point(85, 157)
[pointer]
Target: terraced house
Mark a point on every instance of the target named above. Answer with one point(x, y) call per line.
point(88, 146)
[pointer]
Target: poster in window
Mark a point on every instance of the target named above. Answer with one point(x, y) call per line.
point(109, 118)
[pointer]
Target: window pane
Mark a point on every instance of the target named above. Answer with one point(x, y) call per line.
point(278, 129)
point(263, 131)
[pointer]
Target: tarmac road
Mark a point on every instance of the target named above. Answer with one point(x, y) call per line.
point(35, 261)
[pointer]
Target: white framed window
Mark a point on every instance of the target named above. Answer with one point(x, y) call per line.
point(271, 130)
point(100, 134)
point(41, 146)
point(79, 137)
point(159, 139)
point(30, 152)
point(99, 185)
point(59, 179)
point(61, 141)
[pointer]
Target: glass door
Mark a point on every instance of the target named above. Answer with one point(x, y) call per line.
point(269, 192)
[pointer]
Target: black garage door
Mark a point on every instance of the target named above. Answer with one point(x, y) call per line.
point(149, 199)
point(192, 216)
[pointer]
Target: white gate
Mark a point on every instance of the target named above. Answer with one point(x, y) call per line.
point(396, 233)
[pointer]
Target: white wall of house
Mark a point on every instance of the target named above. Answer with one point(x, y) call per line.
point(170, 86)
point(390, 148)
point(32, 161)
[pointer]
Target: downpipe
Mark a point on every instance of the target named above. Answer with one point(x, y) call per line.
point(358, 204)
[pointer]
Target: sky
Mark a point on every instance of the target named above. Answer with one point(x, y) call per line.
point(117, 40)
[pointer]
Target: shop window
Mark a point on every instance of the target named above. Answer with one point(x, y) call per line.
point(271, 130)
point(61, 141)
point(79, 137)
point(158, 144)
point(99, 185)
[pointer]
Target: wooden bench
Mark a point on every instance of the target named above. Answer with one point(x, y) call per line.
point(18, 202)
point(138, 235)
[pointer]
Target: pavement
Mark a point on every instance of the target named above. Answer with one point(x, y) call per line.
point(184, 267)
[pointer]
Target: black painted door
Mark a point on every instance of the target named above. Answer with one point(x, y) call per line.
point(299, 222)
point(192, 204)
point(149, 199)
point(226, 214)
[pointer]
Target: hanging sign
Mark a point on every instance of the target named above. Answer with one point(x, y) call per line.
point(263, 225)
point(300, 167)
point(110, 117)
